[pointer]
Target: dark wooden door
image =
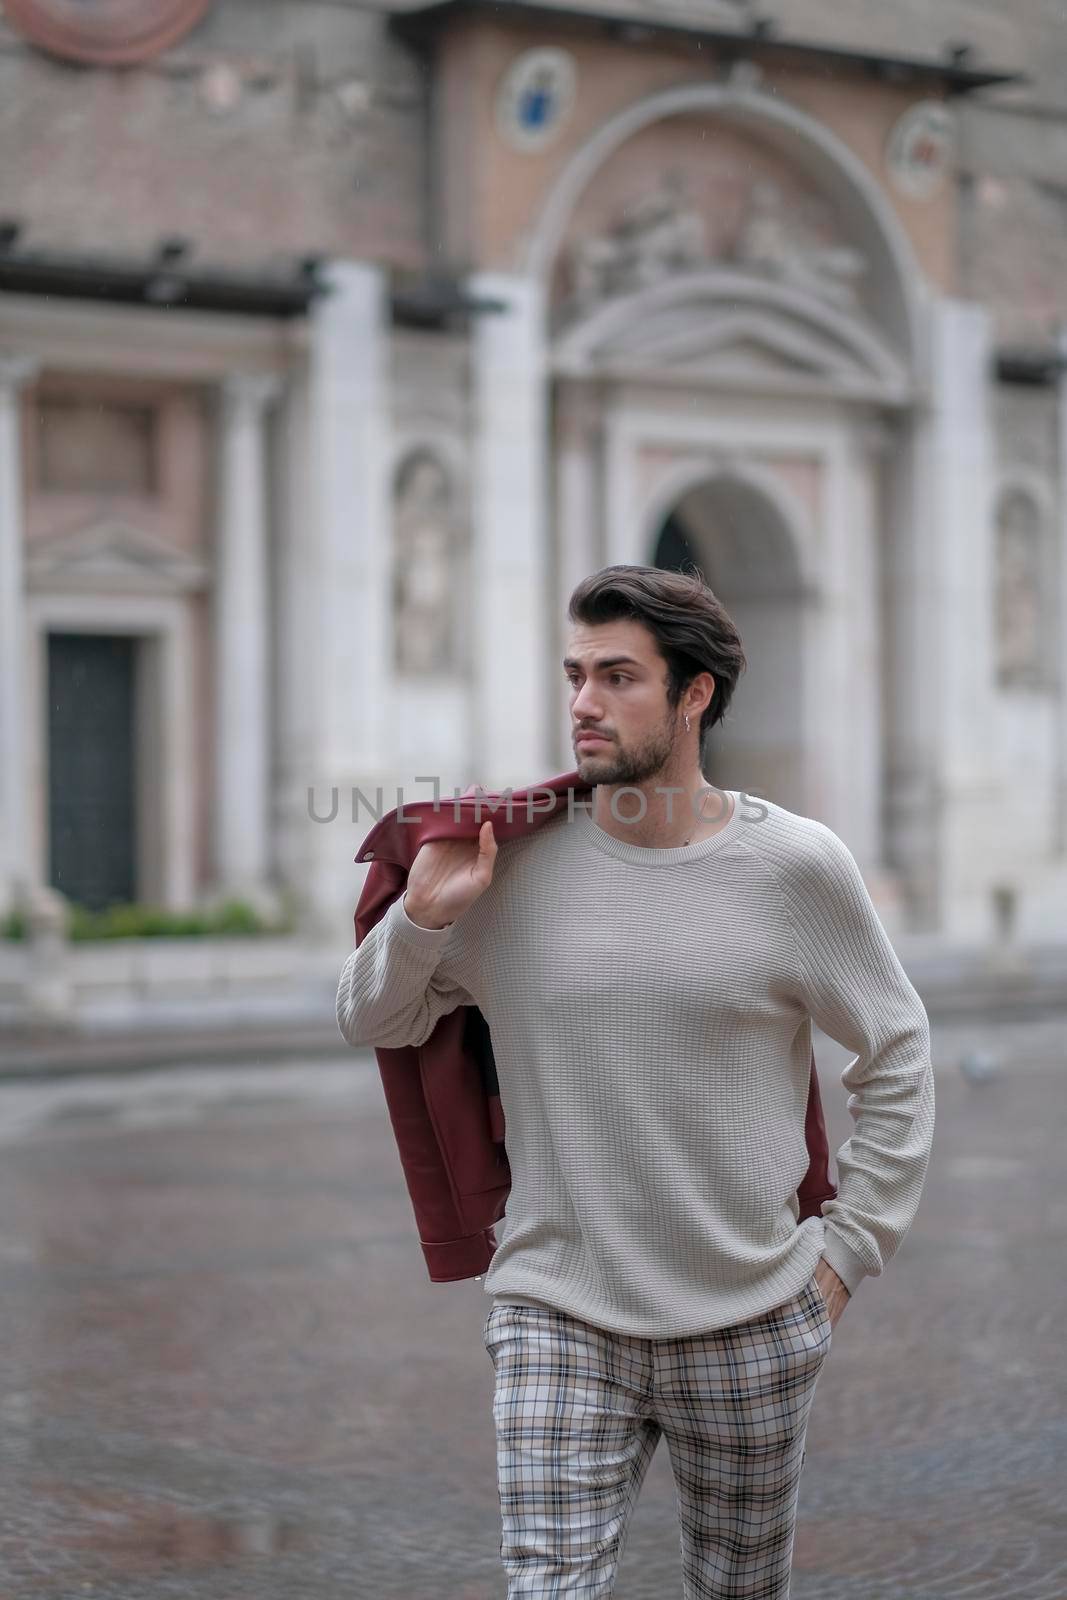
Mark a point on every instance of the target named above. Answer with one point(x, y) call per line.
point(91, 773)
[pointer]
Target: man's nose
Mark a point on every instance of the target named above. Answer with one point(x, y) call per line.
point(584, 704)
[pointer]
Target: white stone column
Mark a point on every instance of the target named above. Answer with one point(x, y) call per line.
point(14, 836)
point(1060, 823)
point(977, 798)
point(241, 615)
point(827, 668)
point(293, 620)
point(349, 422)
point(513, 636)
point(861, 737)
point(943, 798)
point(861, 732)
point(343, 613)
point(578, 541)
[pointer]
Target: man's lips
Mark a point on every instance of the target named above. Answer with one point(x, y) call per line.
point(591, 738)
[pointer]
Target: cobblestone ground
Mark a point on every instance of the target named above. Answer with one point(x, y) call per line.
point(225, 1375)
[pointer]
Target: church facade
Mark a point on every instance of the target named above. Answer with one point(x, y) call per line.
point(373, 336)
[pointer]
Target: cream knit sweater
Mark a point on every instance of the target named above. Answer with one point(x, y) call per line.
point(650, 1014)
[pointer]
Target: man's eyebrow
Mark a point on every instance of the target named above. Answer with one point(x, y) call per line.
point(605, 661)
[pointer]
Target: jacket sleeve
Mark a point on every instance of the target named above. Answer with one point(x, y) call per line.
point(399, 981)
point(855, 988)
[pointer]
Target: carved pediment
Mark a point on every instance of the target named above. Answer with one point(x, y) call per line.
point(114, 558)
point(728, 326)
point(755, 355)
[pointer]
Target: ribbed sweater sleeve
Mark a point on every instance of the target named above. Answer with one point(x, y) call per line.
point(398, 982)
point(855, 988)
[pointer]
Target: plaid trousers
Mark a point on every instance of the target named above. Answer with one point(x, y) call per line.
point(579, 1412)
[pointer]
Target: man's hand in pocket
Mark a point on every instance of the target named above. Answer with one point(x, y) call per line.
point(832, 1290)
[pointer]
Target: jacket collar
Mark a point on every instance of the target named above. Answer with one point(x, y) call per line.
point(398, 835)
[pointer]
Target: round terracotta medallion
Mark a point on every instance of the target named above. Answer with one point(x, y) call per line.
point(115, 32)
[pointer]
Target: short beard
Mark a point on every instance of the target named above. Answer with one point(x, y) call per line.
point(646, 760)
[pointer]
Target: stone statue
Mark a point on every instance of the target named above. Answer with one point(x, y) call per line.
point(771, 240)
point(660, 235)
point(424, 572)
point(663, 234)
point(1018, 592)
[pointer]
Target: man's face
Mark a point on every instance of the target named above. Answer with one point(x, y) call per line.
point(618, 685)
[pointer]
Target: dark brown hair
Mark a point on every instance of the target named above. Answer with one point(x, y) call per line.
point(691, 627)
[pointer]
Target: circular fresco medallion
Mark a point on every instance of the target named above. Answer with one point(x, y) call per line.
point(920, 150)
point(535, 96)
point(109, 32)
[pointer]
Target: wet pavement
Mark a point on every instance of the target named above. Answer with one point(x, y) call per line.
point(225, 1374)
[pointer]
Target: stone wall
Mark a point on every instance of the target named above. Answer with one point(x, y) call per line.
point(269, 133)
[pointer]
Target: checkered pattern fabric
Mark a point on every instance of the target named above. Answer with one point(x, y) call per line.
point(579, 1412)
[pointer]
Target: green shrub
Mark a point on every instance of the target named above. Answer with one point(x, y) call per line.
point(235, 919)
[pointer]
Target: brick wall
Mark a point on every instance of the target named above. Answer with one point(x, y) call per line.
point(271, 131)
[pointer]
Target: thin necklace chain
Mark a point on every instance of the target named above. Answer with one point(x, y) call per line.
point(705, 791)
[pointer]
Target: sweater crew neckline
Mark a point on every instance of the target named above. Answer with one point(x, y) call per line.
point(650, 855)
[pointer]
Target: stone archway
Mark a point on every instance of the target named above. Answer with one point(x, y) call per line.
point(815, 152)
point(634, 339)
point(732, 330)
point(733, 531)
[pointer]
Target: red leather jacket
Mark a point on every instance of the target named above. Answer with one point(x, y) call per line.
point(443, 1095)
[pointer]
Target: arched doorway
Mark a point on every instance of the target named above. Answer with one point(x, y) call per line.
point(740, 541)
point(732, 336)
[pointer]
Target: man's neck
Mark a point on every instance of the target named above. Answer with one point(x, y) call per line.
point(676, 811)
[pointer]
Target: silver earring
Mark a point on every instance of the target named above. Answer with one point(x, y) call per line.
point(687, 724)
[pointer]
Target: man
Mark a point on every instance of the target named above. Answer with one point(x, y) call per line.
point(649, 970)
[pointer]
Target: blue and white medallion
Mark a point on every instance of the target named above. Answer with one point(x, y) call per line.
point(535, 97)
